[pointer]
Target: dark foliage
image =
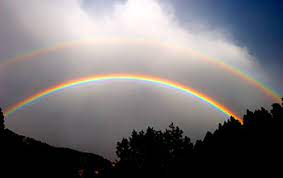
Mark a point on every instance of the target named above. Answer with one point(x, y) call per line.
point(2, 126)
point(21, 156)
point(154, 152)
point(254, 147)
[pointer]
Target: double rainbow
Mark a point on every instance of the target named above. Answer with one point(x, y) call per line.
point(147, 79)
point(231, 69)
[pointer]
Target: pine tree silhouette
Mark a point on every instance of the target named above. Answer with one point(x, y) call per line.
point(2, 125)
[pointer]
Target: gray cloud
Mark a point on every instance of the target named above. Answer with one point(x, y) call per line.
point(93, 118)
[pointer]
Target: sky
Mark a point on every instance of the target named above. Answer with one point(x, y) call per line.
point(146, 37)
point(256, 24)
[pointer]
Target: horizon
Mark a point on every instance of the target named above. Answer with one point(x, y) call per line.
point(226, 55)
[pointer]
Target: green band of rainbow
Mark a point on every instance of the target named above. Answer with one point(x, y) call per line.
point(94, 79)
point(235, 71)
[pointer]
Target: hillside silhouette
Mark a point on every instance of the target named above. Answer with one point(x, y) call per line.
point(254, 146)
point(25, 157)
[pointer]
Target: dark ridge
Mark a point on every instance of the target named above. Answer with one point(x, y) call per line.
point(22, 156)
point(254, 148)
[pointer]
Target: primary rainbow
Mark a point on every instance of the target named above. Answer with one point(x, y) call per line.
point(235, 71)
point(149, 79)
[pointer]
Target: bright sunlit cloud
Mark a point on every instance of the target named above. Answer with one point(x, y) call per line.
point(37, 24)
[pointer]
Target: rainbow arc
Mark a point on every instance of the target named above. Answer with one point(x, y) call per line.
point(88, 42)
point(148, 79)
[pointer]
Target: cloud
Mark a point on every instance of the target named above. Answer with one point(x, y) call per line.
point(150, 38)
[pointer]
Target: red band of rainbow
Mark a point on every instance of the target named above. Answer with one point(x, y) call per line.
point(148, 79)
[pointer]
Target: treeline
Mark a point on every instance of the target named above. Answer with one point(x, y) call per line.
point(22, 156)
point(254, 146)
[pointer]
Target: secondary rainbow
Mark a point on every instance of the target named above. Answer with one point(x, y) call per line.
point(66, 45)
point(93, 79)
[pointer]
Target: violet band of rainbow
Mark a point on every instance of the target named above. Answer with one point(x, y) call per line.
point(71, 44)
point(148, 79)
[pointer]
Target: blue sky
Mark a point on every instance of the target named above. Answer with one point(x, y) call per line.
point(256, 24)
point(246, 34)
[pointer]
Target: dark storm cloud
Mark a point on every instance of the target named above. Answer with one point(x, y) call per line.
point(257, 24)
point(93, 118)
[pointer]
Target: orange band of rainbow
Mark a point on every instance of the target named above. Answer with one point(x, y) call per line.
point(66, 45)
point(148, 79)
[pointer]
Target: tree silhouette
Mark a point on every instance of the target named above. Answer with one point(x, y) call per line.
point(254, 146)
point(2, 125)
point(21, 156)
point(154, 152)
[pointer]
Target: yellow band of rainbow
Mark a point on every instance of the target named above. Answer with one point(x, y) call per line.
point(148, 79)
point(86, 42)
